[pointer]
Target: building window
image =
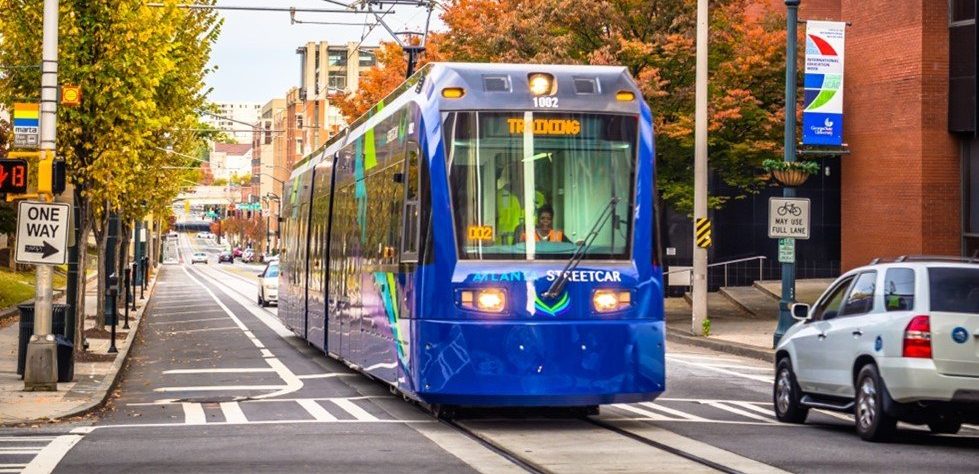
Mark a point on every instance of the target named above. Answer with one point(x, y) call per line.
point(337, 57)
point(367, 59)
point(337, 82)
point(962, 11)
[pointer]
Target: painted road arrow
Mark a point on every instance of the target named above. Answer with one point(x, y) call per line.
point(45, 250)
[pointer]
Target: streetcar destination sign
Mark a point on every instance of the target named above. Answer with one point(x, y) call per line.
point(788, 218)
point(42, 232)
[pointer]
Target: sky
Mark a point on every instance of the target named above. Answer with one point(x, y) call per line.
point(255, 54)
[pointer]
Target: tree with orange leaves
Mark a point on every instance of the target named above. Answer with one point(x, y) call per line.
point(656, 42)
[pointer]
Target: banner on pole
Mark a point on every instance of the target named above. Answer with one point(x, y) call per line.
point(822, 116)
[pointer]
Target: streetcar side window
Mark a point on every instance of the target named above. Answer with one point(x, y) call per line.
point(410, 248)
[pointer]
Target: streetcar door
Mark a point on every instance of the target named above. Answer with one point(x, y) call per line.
point(410, 244)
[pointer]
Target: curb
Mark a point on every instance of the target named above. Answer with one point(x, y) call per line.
point(109, 383)
point(729, 347)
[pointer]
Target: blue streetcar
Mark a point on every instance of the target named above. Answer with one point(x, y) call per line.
point(485, 237)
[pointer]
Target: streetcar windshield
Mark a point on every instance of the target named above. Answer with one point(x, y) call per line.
point(532, 185)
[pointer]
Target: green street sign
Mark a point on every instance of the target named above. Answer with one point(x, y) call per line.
point(786, 250)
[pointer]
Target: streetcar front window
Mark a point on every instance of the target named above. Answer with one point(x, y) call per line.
point(532, 185)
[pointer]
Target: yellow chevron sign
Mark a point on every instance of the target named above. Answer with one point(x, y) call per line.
point(702, 233)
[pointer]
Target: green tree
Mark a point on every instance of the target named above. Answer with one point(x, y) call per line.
point(141, 71)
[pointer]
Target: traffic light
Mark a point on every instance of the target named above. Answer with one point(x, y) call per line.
point(51, 174)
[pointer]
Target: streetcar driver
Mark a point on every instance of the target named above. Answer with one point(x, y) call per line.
point(545, 231)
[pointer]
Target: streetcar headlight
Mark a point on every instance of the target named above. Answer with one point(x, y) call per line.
point(487, 300)
point(606, 301)
point(541, 83)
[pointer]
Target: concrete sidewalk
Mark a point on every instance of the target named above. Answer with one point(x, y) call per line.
point(734, 328)
point(95, 374)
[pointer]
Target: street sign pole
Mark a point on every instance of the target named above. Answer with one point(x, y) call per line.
point(41, 370)
point(788, 269)
point(699, 306)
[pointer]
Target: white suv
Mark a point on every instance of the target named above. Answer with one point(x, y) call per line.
point(887, 342)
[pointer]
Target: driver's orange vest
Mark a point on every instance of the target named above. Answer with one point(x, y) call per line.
point(553, 236)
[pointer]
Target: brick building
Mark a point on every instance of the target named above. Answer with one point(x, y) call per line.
point(906, 185)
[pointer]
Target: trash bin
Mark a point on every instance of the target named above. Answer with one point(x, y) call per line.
point(65, 349)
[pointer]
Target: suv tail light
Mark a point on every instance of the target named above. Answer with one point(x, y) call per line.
point(917, 338)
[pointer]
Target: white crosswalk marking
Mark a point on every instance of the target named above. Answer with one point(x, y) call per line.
point(232, 412)
point(349, 407)
point(316, 410)
point(737, 411)
point(673, 412)
point(754, 407)
point(644, 413)
point(193, 414)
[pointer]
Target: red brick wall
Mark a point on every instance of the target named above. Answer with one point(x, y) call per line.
point(900, 184)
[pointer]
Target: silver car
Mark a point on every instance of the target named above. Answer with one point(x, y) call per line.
point(888, 342)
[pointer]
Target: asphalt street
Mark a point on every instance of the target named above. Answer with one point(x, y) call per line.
point(217, 384)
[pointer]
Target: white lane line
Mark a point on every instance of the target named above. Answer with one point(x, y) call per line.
point(670, 411)
point(325, 376)
point(316, 410)
point(232, 412)
point(264, 316)
point(191, 331)
point(27, 439)
point(275, 422)
point(242, 370)
point(20, 450)
point(737, 411)
point(217, 388)
point(354, 410)
point(52, 454)
point(11, 466)
point(293, 384)
point(388, 365)
point(646, 414)
point(757, 378)
point(193, 414)
point(274, 400)
point(186, 321)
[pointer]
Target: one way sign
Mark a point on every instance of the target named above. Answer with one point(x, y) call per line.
point(42, 232)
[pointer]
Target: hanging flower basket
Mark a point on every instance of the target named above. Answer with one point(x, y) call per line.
point(791, 177)
point(794, 173)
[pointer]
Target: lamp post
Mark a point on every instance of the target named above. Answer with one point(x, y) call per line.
point(788, 269)
point(268, 219)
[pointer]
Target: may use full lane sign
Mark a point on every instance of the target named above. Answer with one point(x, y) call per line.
point(42, 232)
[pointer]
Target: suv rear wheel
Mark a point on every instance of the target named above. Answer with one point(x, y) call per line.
point(873, 424)
point(787, 394)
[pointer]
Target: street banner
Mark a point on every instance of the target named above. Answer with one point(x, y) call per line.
point(822, 115)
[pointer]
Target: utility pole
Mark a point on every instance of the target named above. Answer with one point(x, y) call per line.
point(791, 56)
point(700, 174)
point(41, 370)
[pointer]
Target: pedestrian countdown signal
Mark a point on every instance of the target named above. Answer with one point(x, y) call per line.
point(13, 176)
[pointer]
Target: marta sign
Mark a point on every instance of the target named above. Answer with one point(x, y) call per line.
point(42, 232)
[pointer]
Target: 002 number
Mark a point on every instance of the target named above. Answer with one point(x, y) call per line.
point(545, 102)
point(480, 233)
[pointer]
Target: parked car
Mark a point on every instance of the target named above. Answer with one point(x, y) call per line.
point(198, 257)
point(888, 342)
point(248, 256)
point(226, 256)
point(268, 285)
point(236, 252)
